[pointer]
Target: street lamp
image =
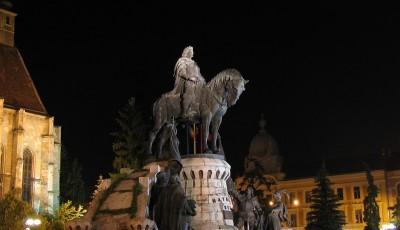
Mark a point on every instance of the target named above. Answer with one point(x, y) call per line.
point(32, 222)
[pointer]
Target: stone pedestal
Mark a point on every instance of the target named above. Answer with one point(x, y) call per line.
point(204, 180)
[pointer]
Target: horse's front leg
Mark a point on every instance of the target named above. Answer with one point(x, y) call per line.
point(206, 119)
point(215, 124)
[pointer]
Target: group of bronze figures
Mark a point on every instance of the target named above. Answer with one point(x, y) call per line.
point(172, 210)
point(193, 101)
point(251, 214)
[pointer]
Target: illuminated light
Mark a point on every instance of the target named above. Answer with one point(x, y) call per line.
point(29, 222)
point(389, 226)
point(296, 202)
point(37, 222)
point(271, 203)
point(33, 222)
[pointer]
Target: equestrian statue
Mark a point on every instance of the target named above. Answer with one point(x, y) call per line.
point(193, 101)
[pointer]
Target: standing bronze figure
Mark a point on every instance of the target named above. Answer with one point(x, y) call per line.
point(172, 210)
point(278, 213)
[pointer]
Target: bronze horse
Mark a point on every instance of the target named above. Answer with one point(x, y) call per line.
point(208, 107)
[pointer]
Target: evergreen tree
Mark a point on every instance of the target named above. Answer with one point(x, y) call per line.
point(64, 171)
point(371, 209)
point(129, 139)
point(324, 214)
point(77, 191)
point(396, 214)
point(72, 186)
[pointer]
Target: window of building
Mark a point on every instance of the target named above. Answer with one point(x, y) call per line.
point(308, 196)
point(359, 216)
point(8, 20)
point(292, 196)
point(357, 193)
point(342, 213)
point(27, 177)
point(339, 193)
point(293, 220)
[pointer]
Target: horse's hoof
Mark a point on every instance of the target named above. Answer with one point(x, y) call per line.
point(207, 151)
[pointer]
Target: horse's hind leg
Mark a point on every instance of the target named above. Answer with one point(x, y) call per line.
point(163, 137)
point(152, 137)
point(153, 134)
point(158, 113)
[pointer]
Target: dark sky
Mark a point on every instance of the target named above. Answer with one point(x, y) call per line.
point(325, 76)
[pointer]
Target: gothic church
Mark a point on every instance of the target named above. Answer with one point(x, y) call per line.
point(30, 143)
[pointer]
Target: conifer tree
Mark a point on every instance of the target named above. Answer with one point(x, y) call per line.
point(324, 214)
point(72, 186)
point(396, 214)
point(371, 208)
point(129, 139)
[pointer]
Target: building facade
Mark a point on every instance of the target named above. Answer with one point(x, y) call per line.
point(351, 187)
point(30, 143)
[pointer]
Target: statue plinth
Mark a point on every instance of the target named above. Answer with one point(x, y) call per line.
point(204, 179)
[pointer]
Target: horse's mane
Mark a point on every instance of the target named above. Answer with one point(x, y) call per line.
point(222, 77)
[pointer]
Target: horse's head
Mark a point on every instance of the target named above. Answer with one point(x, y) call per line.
point(230, 83)
point(235, 88)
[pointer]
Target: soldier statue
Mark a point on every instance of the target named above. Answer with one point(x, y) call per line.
point(278, 213)
point(171, 208)
point(250, 211)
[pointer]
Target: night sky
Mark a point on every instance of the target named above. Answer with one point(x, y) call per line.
point(325, 76)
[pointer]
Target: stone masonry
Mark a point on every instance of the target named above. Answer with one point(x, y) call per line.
point(204, 179)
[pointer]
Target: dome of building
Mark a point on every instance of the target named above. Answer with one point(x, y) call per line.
point(263, 153)
point(263, 143)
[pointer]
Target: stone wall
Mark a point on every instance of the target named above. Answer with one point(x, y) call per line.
point(204, 180)
point(24, 131)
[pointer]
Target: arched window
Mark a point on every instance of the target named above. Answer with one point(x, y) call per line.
point(27, 176)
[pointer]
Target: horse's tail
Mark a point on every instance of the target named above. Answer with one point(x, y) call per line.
point(155, 106)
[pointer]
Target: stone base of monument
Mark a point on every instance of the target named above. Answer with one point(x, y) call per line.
point(119, 204)
point(204, 179)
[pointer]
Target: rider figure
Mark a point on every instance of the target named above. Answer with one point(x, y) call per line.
point(187, 78)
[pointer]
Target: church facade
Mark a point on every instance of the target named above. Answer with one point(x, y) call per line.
point(30, 143)
point(350, 186)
